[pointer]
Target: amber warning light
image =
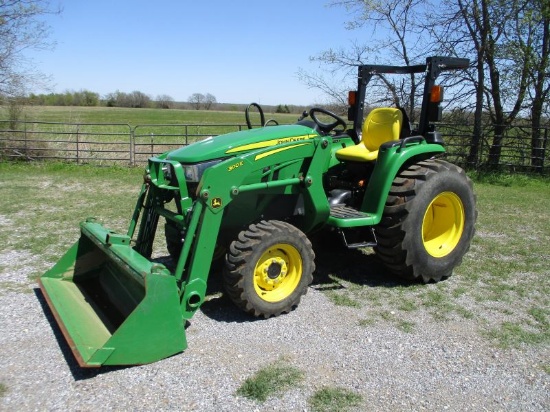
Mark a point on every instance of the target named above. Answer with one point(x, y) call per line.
point(436, 95)
point(351, 97)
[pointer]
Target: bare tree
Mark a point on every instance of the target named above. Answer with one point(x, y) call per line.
point(508, 42)
point(21, 29)
point(139, 99)
point(402, 47)
point(532, 40)
point(196, 100)
point(457, 36)
point(492, 32)
point(209, 100)
point(136, 99)
point(164, 101)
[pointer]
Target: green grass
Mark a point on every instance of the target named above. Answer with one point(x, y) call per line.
point(334, 399)
point(43, 203)
point(342, 299)
point(272, 380)
point(532, 330)
point(3, 390)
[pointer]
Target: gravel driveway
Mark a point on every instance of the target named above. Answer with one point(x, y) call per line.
point(441, 366)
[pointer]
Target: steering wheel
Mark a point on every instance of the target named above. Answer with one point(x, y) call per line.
point(326, 127)
point(247, 114)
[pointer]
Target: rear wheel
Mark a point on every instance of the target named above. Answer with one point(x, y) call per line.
point(428, 221)
point(268, 268)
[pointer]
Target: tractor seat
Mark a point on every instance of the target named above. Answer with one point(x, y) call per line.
point(381, 125)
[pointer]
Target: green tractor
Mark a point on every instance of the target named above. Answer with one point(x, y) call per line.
point(255, 198)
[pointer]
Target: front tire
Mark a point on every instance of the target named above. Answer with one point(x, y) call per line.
point(428, 221)
point(268, 268)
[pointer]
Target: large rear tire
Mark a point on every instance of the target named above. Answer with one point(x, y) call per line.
point(268, 268)
point(428, 221)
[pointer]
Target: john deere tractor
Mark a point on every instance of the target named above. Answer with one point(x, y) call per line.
point(254, 198)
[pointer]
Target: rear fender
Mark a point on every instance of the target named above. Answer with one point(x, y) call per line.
point(391, 158)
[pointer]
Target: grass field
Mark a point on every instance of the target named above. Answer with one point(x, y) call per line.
point(505, 276)
point(106, 135)
point(139, 116)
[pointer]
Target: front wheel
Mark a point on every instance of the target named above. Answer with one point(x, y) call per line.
point(428, 221)
point(268, 268)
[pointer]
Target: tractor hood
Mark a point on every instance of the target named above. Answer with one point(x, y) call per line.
point(235, 143)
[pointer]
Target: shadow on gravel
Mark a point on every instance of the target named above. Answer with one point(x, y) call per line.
point(351, 265)
point(334, 264)
point(77, 372)
point(217, 305)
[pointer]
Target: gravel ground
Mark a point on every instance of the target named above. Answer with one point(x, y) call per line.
point(441, 366)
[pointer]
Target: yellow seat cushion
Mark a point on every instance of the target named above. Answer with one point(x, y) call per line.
point(357, 153)
point(381, 125)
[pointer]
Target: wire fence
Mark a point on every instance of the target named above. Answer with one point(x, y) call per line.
point(519, 149)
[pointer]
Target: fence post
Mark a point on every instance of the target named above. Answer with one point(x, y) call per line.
point(132, 145)
point(544, 145)
point(77, 144)
point(25, 134)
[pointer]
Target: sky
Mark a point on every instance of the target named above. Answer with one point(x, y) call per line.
point(240, 51)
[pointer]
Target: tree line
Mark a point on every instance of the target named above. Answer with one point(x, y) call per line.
point(135, 99)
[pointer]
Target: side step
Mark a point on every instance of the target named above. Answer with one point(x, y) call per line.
point(351, 223)
point(344, 216)
point(359, 244)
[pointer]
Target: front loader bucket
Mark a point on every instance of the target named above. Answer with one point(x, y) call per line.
point(113, 305)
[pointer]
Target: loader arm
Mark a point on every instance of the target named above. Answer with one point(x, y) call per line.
point(288, 168)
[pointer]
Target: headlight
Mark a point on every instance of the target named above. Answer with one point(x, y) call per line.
point(193, 173)
point(167, 171)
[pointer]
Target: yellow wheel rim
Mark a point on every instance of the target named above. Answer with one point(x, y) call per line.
point(278, 272)
point(443, 224)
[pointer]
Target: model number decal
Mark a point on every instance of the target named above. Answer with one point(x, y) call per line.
point(292, 139)
point(234, 166)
